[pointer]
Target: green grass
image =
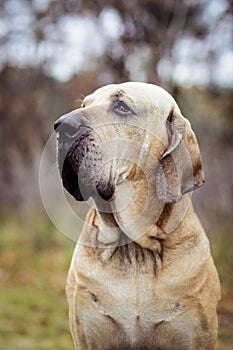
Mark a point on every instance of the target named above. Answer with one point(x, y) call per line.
point(222, 250)
point(34, 261)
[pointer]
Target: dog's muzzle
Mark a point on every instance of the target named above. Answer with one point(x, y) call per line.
point(80, 159)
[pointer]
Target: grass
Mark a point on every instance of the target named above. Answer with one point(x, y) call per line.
point(34, 260)
point(222, 250)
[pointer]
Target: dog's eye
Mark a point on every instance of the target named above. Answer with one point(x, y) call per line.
point(121, 108)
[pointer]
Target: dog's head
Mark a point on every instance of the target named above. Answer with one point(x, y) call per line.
point(130, 132)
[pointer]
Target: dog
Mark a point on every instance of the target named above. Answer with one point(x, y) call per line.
point(142, 275)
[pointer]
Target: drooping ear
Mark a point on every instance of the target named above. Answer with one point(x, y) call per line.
point(180, 170)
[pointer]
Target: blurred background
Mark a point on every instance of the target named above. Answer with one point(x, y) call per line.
point(52, 53)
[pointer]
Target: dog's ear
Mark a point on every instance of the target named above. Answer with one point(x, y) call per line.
point(180, 170)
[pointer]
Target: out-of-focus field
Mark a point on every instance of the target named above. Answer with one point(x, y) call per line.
point(34, 260)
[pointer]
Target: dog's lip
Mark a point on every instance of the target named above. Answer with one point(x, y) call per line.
point(107, 192)
point(89, 186)
point(70, 180)
point(81, 192)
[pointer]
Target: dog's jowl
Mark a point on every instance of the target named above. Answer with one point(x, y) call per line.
point(142, 276)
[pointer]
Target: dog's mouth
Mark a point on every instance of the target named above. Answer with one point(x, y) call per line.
point(70, 181)
point(82, 170)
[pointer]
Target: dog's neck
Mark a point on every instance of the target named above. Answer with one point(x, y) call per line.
point(173, 214)
point(102, 230)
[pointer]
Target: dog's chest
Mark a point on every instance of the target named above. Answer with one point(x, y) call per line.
point(121, 294)
point(120, 300)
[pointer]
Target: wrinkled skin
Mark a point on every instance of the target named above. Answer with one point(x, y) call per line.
point(142, 276)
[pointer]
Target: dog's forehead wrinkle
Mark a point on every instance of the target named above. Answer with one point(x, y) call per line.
point(136, 88)
point(118, 92)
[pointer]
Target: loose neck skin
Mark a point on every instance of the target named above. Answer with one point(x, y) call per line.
point(102, 230)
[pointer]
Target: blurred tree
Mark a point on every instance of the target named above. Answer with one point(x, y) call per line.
point(148, 32)
point(30, 101)
point(150, 27)
point(136, 40)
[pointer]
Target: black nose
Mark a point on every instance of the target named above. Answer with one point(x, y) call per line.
point(68, 125)
point(57, 123)
point(64, 120)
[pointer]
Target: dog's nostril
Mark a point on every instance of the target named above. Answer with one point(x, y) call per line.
point(66, 126)
point(70, 126)
point(57, 123)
